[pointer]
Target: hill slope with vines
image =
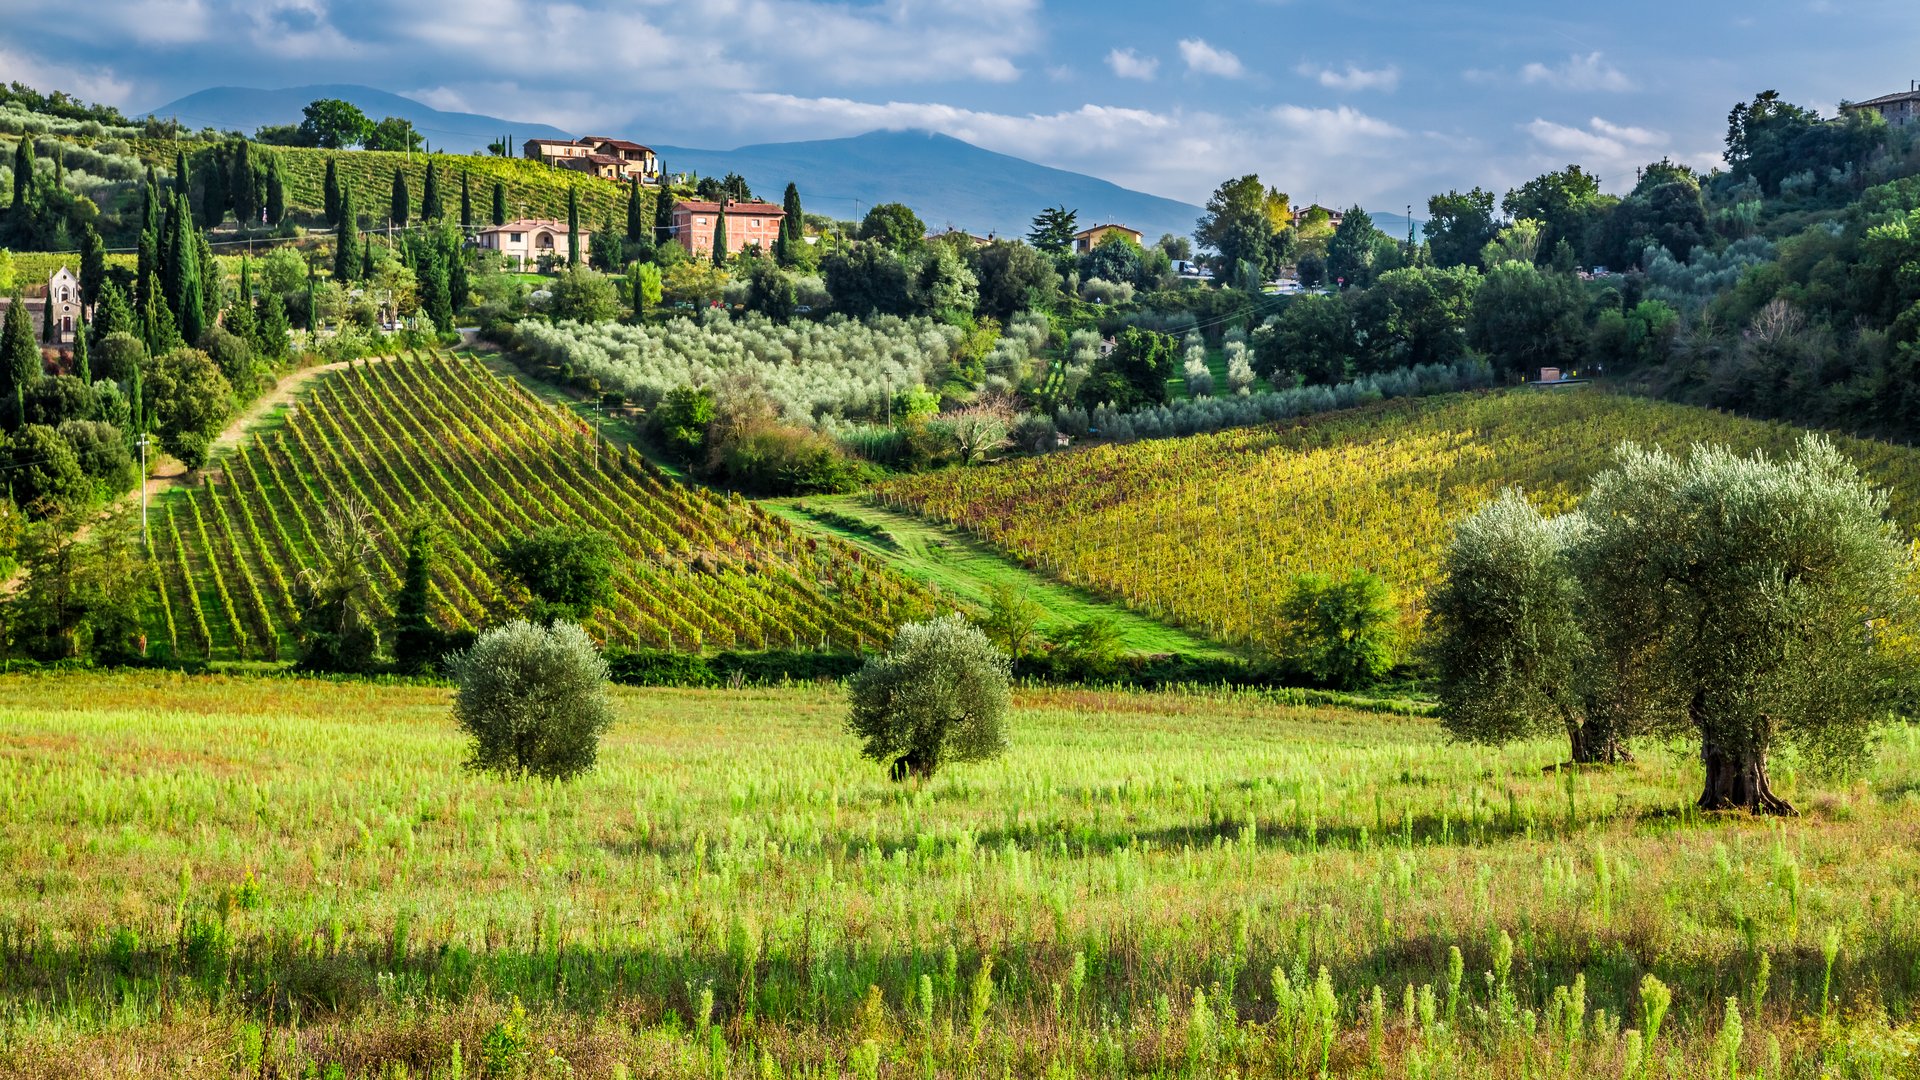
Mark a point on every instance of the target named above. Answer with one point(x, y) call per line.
point(1207, 532)
point(441, 436)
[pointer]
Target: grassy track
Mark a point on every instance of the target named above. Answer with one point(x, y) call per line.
point(217, 877)
point(962, 566)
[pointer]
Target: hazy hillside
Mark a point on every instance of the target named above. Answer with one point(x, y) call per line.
point(240, 108)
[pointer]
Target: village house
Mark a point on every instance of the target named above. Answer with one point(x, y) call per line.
point(1899, 109)
point(749, 224)
point(523, 243)
point(63, 305)
point(611, 159)
point(1087, 239)
point(1334, 217)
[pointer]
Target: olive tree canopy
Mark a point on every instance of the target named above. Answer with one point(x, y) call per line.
point(939, 694)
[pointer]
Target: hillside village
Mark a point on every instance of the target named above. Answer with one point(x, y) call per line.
point(544, 611)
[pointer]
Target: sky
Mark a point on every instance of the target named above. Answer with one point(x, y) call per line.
point(1373, 102)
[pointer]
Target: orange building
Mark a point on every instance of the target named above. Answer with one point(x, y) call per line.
point(749, 224)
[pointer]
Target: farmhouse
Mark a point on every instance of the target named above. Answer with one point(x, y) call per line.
point(749, 224)
point(612, 159)
point(1899, 109)
point(1087, 239)
point(525, 242)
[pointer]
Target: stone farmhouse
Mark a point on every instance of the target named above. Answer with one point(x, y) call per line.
point(1900, 109)
point(611, 159)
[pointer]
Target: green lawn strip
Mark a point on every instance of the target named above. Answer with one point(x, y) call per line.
point(966, 568)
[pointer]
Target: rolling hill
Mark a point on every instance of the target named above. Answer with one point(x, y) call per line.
point(244, 109)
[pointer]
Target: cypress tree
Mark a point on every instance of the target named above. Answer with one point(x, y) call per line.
point(430, 194)
point(93, 265)
point(792, 226)
point(346, 242)
point(366, 259)
point(19, 357)
point(111, 314)
point(136, 408)
point(401, 197)
point(210, 290)
point(466, 201)
point(499, 202)
point(662, 218)
point(276, 191)
point(243, 185)
point(573, 225)
point(174, 252)
point(636, 219)
point(720, 235)
point(182, 177)
point(47, 332)
point(414, 638)
point(22, 217)
point(313, 315)
point(213, 192)
point(190, 312)
point(332, 194)
point(270, 329)
point(82, 364)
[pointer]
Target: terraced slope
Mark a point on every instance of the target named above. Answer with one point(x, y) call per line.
point(444, 436)
point(1208, 531)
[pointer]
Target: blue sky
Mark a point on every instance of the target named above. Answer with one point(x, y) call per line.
point(1335, 101)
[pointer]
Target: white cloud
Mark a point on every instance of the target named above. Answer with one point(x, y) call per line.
point(1613, 151)
point(1331, 128)
point(1589, 72)
point(90, 83)
point(1354, 77)
point(1207, 60)
point(1131, 65)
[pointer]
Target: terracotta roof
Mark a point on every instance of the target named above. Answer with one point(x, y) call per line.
point(548, 142)
point(734, 209)
point(1888, 99)
point(525, 225)
point(618, 144)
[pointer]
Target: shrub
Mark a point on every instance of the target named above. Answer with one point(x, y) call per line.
point(1339, 632)
point(567, 570)
point(938, 694)
point(534, 700)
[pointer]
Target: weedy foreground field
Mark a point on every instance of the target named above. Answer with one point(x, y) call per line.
point(225, 877)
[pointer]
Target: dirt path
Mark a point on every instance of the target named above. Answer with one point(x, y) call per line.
point(168, 473)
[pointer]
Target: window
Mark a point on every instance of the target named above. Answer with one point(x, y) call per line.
point(514, 237)
point(699, 221)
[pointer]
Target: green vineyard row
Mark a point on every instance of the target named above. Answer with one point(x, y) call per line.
point(441, 437)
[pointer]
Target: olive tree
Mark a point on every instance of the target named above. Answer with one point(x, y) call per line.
point(534, 700)
point(1749, 603)
point(939, 694)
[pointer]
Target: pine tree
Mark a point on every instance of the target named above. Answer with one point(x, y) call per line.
point(466, 201)
point(573, 225)
point(720, 236)
point(401, 198)
point(93, 265)
point(499, 202)
point(430, 194)
point(346, 241)
point(636, 218)
point(276, 191)
point(332, 194)
point(19, 358)
point(82, 363)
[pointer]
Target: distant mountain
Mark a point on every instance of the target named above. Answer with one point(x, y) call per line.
point(946, 181)
point(243, 109)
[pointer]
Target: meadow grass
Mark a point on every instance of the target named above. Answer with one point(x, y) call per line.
point(213, 876)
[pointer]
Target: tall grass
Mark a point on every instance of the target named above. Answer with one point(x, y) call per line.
point(218, 876)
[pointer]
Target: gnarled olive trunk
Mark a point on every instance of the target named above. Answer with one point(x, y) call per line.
point(918, 762)
point(1738, 781)
point(1594, 744)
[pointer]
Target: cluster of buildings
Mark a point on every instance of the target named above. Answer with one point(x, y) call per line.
point(529, 242)
point(598, 155)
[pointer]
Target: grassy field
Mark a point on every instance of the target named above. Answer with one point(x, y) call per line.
point(445, 437)
point(965, 568)
point(1207, 532)
point(213, 877)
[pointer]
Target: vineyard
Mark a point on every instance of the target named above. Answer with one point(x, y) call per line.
point(1207, 532)
point(441, 436)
